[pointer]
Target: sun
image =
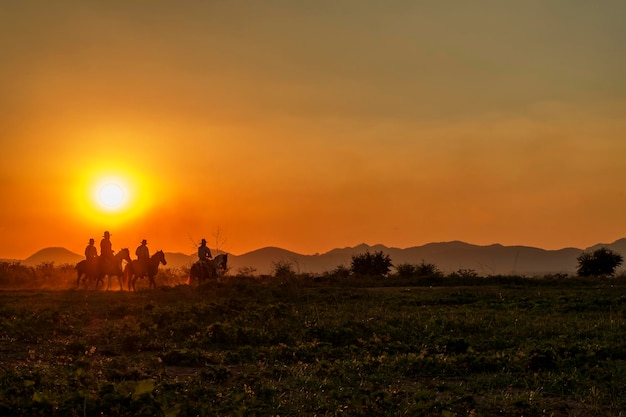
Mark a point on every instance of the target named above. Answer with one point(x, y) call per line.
point(111, 196)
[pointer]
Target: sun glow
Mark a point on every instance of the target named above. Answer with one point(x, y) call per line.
point(112, 199)
point(111, 196)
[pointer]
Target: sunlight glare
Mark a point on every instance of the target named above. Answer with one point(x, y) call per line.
point(111, 196)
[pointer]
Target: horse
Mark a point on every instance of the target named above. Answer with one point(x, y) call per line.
point(211, 269)
point(87, 268)
point(98, 268)
point(112, 269)
point(144, 268)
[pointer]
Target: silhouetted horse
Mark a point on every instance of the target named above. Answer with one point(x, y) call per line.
point(209, 269)
point(98, 268)
point(87, 268)
point(144, 268)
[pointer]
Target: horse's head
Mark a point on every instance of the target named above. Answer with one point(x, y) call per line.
point(124, 254)
point(222, 260)
point(160, 256)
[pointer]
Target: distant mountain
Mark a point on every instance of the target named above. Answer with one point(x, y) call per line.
point(447, 256)
point(618, 246)
point(179, 260)
point(55, 254)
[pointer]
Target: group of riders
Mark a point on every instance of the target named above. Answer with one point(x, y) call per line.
point(142, 252)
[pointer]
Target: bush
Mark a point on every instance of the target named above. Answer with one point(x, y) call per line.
point(340, 272)
point(600, 262)
point(406, 270)
point(464, 273)
point(283, 270)
point(427, 270)
point(367, 264)
point(14, 274)
point(246, 271)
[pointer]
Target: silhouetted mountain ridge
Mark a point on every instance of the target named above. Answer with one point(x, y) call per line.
point(447, 256)
point(58, 255)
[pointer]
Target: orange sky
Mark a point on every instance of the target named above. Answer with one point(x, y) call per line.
point(312, 125)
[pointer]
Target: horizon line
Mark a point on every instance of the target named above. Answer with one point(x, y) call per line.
point(336, 248)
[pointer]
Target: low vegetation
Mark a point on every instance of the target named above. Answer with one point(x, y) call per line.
point(290, 344)
point(602, 261)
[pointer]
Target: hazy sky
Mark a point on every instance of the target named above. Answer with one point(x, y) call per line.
point(311, 125)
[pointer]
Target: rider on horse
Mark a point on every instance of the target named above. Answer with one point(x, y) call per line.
point(106, 249)
point(143, 254)
point(91, 256)
point(91, 253)
point(142, 251)
point(204, 255)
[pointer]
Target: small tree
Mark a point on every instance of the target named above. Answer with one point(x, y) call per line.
point(377, 264)
point(406, 270)
point(602, 261)
point(427, 270)
point(422, 269)
point(341, 271)
point(283, 270)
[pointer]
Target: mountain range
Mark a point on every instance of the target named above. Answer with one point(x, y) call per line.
point(447, 256)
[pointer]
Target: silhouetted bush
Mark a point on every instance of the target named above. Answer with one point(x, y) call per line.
point(427, 270)
point(366, 264)
point(14, 274)
point(341, 271)
point(406, 270)
point(283, 270)
point(600, 262)
point(464, 273)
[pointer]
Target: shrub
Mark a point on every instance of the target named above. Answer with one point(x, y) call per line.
point(602, 261)
point(247, 271)
point(14, 274)
point(283, 270)
point(341, 271)
point(377, 264)
point(406, 270)
point(427, 270)
point(464, 273)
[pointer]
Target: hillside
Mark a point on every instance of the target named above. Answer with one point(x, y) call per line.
point(55, 254)
point(448, 256)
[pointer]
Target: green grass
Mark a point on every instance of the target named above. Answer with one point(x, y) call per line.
point(300, 348)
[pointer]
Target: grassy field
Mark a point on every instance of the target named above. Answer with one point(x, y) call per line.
point(300, 348)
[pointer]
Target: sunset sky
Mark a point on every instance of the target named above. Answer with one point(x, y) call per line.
point(311, 125)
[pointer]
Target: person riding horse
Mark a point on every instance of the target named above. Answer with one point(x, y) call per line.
point(106, 250)
point(204, 255)
point(142, 251)
point(91, 253)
